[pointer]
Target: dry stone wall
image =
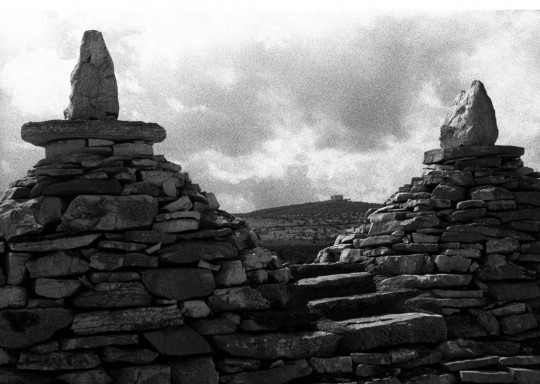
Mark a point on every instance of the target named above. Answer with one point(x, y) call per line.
point(460, 246)
point(116, 267)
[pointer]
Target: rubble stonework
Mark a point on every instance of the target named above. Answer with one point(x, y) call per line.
point(461, 243)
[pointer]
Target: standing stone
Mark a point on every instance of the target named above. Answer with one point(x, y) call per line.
point(471, 120)
point(94, 93)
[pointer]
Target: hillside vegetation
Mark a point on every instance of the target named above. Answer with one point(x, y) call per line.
point(297, 232)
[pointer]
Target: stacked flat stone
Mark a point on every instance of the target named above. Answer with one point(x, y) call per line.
point(116, 266)
point(461, 242)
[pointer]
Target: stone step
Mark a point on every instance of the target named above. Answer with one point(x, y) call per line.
point(369, 304)
point(367, 333)
point(337, 285)
point(302, 271)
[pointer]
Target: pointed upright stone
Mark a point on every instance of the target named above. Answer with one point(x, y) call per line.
point(94, 93)
point(471, 120)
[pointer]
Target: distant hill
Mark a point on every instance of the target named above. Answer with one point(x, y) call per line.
point(320, 209)
point(297, 232)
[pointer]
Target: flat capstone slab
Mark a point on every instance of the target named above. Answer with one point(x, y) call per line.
point(438, 156)
point(366, 333)
point(44, 132)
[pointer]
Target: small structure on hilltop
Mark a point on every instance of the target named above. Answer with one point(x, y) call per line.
point(336, 198)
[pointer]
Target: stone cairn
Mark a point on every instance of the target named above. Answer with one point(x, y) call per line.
point(452, 259)
point(116, 267)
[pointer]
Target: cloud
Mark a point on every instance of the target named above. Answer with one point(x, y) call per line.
point(275, 108)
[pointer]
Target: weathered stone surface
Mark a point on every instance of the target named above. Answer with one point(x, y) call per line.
point(15, 267)
point(218, 326)
point(279, 375)
point(92, 376)
point(12, 297)
point(148, 374)
point(140, 188)
point(504, 245)
point(237, 298)
point(424, 281)
point(402, 264)
point(449, 191)
point(387, 227)
point(110, 261)
point(393, 329)
point(518, 323)
point(436, 156)
point(109, 213)
point(29, 217)
point(333, 285)
point(237, 364)
point(471, 120)
point(195, 309)
point(54, 244)
point(449, 264)
point(182, 204)
point(149, 237)
point(94, 93)
point(178, 341)
point(465, 215)
point(259, 258)
point(121, 245)
point(98, 341)
point(486, 377)
point(530, 198)
point(132, 149)
point(72, 188)
point(179, 283)
point(271, 346)
point(176, 225)
point(510, 291)
point(335, 365)
point(58, 361)
point(191, 251)
point(64, 147)
point(193, 370)
point(57, 264)
point(525, 376)
point(114, 294)
point(11, 375)
point(129, 356)
point(56, 288)
point(466, 204)
point(136, 319)
point(231, 273)
point(491, 192)
point(21, 328)
point(459, 365)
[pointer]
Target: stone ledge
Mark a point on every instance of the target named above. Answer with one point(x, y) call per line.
point(437, 156)
point(43, 132)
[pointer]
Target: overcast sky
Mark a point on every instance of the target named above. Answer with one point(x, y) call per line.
point(269, 108)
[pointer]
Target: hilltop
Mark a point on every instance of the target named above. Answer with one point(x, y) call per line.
point(296, 232)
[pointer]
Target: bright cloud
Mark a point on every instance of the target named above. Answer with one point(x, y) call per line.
point(271, 107)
